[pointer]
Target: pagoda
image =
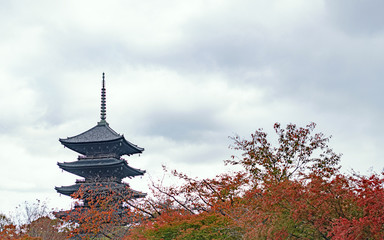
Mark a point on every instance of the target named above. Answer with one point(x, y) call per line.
point(100, 163)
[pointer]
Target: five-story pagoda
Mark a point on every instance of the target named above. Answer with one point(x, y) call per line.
point(100, 164)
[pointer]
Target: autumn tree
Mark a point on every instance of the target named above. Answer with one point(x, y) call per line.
point(45, 228)
point(32, 220)
point(4, 221)
point(366, 221)
point(102, 211)
point(27, 212)
point(299, 152)
point(301, 194)
point(196, 209)
point(292, 190)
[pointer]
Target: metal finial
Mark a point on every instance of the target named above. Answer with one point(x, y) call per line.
point(103, 111)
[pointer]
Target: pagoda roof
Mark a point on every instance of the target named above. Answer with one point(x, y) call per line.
point(105, 166)
point(69, 190)
point(100, 134)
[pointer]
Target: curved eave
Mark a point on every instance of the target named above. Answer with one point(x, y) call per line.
point(117, 168)
point(69, 190)
point(139, 149)
point(65, 141)
point(101, 131)
point(124, 147)
point(92, 162)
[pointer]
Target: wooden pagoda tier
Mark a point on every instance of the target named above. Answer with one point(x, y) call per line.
point(101, 140)
point(103, 168)
point(100, 186)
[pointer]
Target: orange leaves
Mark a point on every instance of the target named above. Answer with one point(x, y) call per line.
point(368, 221)
point(231, 206)
point(284, 191)
point(102, 211)
point(9, 232)
point(196, 196)
point(313, 207)
point(318, 208)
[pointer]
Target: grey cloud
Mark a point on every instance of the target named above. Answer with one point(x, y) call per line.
point(181, 126)
point(357, 17)
point(304, 68)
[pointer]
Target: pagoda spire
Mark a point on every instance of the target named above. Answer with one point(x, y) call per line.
point(103, 111)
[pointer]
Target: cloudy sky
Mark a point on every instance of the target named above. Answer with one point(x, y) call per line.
point(181, 77)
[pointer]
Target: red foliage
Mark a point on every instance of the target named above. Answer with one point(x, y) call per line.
point(9, 232)
point(290, 191)
point(369, 224)
point(100, 211)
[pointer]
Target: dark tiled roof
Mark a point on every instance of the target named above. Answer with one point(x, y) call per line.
point(100, 140)
point(92, 162)
point(68, 190)
point(118, 167)
point(100, 132)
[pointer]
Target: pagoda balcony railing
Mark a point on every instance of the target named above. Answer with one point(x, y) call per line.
point(80, 181)
point(99, 179)
point(78, 204)
point(96, 156)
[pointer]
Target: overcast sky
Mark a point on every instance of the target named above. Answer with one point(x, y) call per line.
point(181, 77)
